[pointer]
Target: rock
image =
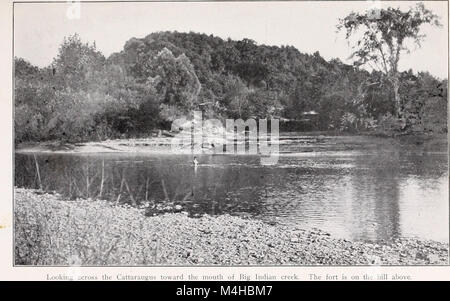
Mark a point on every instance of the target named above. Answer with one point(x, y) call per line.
point(187, 253)
point(434, 258)
point(167, 134)
point(421, 256)
point(223, 239)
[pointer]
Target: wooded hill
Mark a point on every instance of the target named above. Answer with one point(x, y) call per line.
point(84, 96)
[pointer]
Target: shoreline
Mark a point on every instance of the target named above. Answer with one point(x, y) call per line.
point(307, 143)
point(52, 231)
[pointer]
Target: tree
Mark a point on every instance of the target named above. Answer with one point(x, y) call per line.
point(84, 96)
point(175, 80)
point(76, 63)
point(382, 36)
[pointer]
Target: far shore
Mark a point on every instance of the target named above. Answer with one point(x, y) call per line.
point(50, 230)
point(313, 142)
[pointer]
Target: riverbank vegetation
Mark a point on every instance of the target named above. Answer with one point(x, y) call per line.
point(84, 96)
point(52, 231)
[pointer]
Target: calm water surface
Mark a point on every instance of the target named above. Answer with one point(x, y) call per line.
point(353, 195)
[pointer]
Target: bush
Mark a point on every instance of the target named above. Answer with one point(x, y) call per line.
point(390, 125)
point(434, 115)
point(350, 122)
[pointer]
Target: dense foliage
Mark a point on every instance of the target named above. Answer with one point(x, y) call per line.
point(84, 96)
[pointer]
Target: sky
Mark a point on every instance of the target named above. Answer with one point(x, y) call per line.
point(310, 26)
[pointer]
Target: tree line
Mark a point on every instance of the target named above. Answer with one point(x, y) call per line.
point(83, 95)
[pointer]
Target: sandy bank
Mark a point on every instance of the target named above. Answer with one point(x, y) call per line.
point(289, 143)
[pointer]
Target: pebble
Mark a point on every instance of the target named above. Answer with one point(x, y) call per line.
point(223, 239)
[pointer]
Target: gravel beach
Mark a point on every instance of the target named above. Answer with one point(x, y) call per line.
point(52, 231)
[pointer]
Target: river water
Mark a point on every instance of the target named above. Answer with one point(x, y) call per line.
point(352, 194)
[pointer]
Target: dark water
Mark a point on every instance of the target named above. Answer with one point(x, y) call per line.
point(353, 195)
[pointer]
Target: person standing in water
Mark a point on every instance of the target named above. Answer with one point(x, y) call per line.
point(195, 162)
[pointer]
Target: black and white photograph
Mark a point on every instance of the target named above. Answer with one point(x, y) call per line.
point(229, 133)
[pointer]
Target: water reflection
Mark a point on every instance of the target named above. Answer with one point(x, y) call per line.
point(359, 197)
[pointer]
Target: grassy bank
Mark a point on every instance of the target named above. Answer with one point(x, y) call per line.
point(52, 231)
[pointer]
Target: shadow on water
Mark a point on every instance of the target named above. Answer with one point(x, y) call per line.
point(361, 197)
